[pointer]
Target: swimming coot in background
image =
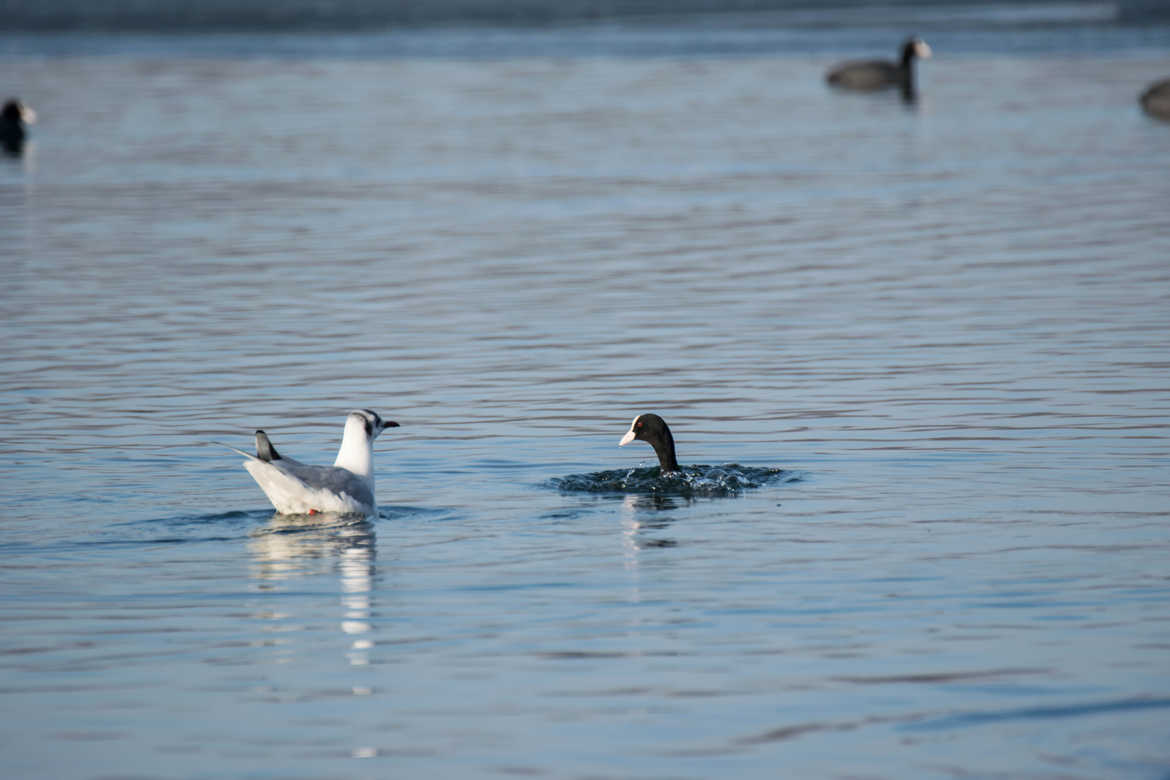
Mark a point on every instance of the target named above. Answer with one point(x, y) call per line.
point(1156, 99)
point(729, 479)
point(653, 430)
point(870, 75)
point(13, 120)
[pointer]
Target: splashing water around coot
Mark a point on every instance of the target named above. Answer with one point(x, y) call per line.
point(728, 479)
point(669, 478)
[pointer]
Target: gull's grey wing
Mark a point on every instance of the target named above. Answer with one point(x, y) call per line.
point(331, 478)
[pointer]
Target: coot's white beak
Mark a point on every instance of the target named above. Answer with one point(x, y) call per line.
point(922, 49)
point(629, 437)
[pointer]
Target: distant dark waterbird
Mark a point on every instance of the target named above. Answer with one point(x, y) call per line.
point(1156, 100)
point(653, 430)
point(14, 121)
point(873, 75)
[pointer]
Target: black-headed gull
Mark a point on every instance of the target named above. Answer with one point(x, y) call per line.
point(346, 487)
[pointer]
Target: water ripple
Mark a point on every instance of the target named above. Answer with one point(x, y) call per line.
point(970, 719)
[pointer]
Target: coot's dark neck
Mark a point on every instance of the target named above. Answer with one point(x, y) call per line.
point(907, 54)
point(906, 73)
point(664, 447)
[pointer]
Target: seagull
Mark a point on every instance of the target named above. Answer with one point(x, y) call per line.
point(346, 487)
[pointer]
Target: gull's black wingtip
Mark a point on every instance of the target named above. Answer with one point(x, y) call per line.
point(264, 449)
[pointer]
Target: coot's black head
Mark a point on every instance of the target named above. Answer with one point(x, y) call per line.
point(915, 47)
point(653, 430)
point(17, 112)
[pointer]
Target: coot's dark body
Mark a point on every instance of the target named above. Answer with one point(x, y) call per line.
point(871, 75)
point(1156, 99)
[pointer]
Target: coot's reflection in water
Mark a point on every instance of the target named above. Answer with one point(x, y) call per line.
point(644, 517)
point(654, 502)
point(291, 546)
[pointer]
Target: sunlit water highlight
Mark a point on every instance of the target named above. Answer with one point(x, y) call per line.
point(950, 321)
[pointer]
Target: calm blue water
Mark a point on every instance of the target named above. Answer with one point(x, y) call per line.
point(949, 321)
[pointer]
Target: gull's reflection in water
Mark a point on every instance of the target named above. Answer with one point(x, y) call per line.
point(299, 545)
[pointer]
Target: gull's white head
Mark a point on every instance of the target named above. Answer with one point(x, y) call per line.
point(362, 426)
point(366, 424)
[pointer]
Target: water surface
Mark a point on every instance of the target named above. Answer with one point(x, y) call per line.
point(950, 320)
